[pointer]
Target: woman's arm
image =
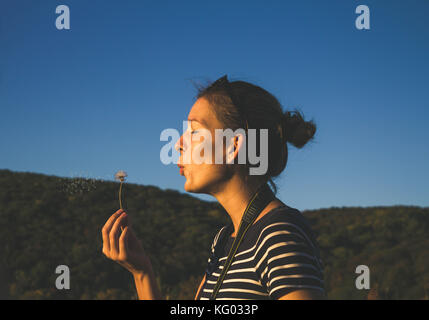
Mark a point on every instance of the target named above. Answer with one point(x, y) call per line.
point(304, 295)
point(199, 288)
point(146, 286)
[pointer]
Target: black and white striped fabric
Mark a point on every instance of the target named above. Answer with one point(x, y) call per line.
point(278, 255)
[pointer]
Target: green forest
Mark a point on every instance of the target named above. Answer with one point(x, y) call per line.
point(48, 221)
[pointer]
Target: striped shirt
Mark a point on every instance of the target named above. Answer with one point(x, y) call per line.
point(278, 255)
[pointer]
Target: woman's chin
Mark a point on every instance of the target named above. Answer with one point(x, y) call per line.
point(189, 187)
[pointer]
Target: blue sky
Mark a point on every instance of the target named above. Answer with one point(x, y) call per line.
point(94, 99)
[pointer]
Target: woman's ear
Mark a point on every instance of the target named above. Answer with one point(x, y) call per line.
point(236, 149)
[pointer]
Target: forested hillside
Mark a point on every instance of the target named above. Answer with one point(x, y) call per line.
point(46, 221)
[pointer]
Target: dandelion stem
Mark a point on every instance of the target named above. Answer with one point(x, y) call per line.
point(120, 175)
point(120, 198)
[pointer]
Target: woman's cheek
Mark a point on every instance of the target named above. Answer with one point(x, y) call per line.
point(202, 148)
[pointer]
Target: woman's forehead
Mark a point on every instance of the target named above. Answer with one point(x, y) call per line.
point(201, 112)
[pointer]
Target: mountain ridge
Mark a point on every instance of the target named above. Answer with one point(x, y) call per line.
point(48, 220)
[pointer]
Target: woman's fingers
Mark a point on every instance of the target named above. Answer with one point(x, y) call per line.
point(106, 230)
point(124, 247)
point(114, 234)
point(123, 243)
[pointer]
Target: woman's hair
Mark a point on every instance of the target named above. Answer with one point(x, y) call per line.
point(240, 104)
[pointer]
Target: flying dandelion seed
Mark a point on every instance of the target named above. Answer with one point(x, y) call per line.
point(78, 185)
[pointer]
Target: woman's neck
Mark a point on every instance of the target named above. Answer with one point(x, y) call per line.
point(235, 195)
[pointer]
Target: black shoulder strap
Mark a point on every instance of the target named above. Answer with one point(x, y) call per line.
point(258, 202)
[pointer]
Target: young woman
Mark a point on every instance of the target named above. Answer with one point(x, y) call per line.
point(278, 257)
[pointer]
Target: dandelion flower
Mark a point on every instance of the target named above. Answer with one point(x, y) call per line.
point(120, 176)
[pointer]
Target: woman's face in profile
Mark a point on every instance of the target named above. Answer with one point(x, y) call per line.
point(199, 168)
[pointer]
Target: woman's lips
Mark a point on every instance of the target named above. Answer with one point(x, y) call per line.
point(181, 169)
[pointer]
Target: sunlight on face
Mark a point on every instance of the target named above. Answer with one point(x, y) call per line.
point(197, 150)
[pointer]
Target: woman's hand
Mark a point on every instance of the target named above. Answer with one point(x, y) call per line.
point(124, 247)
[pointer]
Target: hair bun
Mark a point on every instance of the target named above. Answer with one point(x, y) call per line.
point(296, 130)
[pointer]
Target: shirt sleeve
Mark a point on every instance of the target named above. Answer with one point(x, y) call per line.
point(212, 259)
point(289, 261)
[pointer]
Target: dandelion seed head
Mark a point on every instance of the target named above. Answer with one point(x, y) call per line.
point(121, 175)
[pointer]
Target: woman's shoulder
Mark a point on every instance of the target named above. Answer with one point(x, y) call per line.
point(283, 219)
point(285, 214)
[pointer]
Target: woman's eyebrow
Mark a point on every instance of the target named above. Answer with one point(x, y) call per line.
point(199, 121)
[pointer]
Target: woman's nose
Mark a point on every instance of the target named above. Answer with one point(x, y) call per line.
point(179, 144)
